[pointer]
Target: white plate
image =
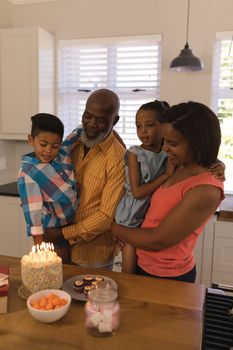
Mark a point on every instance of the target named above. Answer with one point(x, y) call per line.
point(68, 286)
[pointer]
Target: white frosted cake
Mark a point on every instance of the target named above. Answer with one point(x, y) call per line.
point(41, 269)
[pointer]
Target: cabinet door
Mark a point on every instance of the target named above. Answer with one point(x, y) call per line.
point(19, 79)
point(14, 241)
point(203, 253)
point(223, 253)
point(27, 79)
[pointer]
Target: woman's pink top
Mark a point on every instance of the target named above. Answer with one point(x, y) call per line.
point(178, 259)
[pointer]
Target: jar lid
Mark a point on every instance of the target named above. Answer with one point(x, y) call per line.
point(103, 293)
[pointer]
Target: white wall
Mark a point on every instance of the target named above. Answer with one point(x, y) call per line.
point(8, 151)
point(106, 18)
point(92, 18)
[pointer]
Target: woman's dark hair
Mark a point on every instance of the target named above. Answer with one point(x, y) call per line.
point(157, 106)
point(200, 126)
point(46, 122)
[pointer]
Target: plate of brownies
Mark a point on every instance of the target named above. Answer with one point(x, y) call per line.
point(79, 286)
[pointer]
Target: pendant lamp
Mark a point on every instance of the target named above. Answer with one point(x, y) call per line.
point(186, 61)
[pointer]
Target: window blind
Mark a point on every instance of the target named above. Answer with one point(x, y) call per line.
point(222, 99)
point(129, 66)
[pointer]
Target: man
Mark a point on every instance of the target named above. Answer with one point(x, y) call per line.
point(98, 160)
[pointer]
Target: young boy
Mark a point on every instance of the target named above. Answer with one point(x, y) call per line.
point(46, 182)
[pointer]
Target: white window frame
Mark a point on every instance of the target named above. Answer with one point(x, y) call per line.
point(218, 93)
point(128, 109)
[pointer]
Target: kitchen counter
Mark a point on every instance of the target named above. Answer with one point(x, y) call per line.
point(155, 313)
point(224, 214)
point(9, 189)
point(226, 209)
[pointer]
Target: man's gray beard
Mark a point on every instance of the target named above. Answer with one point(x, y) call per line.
point(92, 142)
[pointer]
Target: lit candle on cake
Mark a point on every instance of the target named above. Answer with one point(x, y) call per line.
point(41, 268)
point(42, 254)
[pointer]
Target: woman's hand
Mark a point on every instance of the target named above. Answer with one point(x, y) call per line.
point(114, 231)
point(121, 244)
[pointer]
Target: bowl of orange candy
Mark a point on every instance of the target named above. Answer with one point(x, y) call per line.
point(49, 305)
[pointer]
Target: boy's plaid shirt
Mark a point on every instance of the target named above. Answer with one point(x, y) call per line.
point(48, 192)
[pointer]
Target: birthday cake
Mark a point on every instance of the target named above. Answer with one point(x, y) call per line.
point(41, 269)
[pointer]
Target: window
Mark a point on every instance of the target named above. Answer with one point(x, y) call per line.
point(129, 66)
point(222, 99)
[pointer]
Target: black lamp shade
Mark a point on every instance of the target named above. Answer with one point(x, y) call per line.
point(186, 61)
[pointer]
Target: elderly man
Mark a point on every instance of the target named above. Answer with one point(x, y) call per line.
point(98, 160)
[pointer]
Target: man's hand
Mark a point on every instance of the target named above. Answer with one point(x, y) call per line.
point(53, 235)
point(38, 239)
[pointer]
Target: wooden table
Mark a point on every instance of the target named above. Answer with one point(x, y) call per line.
point(155, 314)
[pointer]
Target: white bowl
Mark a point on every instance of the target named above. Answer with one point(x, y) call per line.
point(48, 316)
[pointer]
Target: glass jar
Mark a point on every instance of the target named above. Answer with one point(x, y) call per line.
point(102, 311)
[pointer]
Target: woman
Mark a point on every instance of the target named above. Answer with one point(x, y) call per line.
point(182, 205)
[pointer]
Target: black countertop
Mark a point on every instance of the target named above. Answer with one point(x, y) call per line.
point(225, 210)
point(9, 189)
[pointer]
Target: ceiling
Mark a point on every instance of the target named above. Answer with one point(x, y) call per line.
point(22, 2)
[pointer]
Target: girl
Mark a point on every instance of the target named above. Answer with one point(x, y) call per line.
point(146, 168)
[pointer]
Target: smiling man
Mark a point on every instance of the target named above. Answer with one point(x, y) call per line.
point(98, 160)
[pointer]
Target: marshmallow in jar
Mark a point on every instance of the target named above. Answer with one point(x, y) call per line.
point(102, 311)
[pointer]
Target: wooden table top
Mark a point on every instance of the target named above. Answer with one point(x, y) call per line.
point(155, 314)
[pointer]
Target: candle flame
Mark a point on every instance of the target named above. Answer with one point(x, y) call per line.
point(43, 247)
point(43, 253)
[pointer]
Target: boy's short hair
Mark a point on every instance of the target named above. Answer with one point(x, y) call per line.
point(46, 122)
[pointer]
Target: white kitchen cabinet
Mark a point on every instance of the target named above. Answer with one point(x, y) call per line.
point(203, 253)
point(13, 239)
point(223, 253)
point(27, 79)
point(214, 253)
